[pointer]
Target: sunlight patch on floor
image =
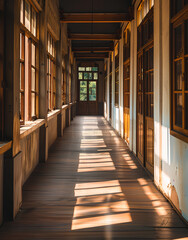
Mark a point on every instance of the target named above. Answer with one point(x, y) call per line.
point(153, 197)
point(100, 204)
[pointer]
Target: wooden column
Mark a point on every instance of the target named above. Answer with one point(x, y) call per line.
point(12, 159)
point(59, 81)
point(43, 104)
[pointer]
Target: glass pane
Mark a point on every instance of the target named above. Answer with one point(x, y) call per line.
point(151, 58)
point(178, 109)
point(186, 110)
point(81, 69)
point(186, 37)
point(186, 74)
point(54, 85)
point(95, 76)
point(27, 15)
point(33, 54)
point(88, 69)
point(90, 76)
point(92, 91)
point(151, 81)
point(33, 103)
point(21, 12)
point(178, 5)
point(86, 75)
point(80, 75)
point(178, 75)
point(178, 41)
point(33, 81)
point(83, 90)
point(34, 22)
point(95, 69)
point(21, 46)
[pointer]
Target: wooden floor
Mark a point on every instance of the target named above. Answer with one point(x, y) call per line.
point(92, 187)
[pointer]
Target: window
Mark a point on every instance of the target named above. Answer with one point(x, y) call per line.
point(87, 77)
point(117, 75)
point(126, 46)
point(143, 10)
point(126, 81)
point(29, 62)
point(145, 90)
point(1, 71)
point(63, 83)
point(51, 73)
point(179, 84)
point(105, 81)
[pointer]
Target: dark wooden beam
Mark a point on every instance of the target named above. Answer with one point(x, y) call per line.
point(97, 37)
point(91, 55)
point(95, 17)
point(92, 49)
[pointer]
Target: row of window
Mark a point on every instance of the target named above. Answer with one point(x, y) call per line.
point(29, 65)
point(179, 44)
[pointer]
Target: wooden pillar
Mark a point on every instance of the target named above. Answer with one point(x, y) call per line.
point(12, 159)
point(59, 81)
point(67, 59)
point(43, 107)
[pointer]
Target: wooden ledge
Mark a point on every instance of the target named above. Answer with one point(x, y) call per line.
point(64, 107)
point(5, 146)
point(30, 127)
point(52, 114)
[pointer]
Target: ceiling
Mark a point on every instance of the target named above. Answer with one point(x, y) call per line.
point(94, 25)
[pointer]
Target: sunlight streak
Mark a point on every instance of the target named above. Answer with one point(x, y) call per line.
point(153, 197)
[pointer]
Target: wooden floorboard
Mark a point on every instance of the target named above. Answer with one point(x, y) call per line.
point(92, 187)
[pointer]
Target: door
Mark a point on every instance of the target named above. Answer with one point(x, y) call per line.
point(87, 95)
point(149, 107)
point(126, 97)
point(145, 108)
point(140, 108)
point(110, 89)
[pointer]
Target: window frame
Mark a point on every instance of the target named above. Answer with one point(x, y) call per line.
point(33, 38)
point(178, 20)
point(116, 54)
point(88, 80)
point(51, 72)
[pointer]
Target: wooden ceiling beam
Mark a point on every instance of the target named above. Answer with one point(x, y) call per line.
point(92, 49)
point(91, 55)
point(95, 17)
point(97, 37)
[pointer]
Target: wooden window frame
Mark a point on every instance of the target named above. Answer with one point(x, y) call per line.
point(2, 71)
point(178, 19)
point(142, 48)
point(88, 81)
point(32, 39)
point(63, 86)
point(116, 53)
point(51, 72)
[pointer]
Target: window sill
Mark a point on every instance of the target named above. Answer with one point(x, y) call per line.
point(64, 107)
point(52, 114)
point(5, 146)
point(179, 136)
point(30, 127)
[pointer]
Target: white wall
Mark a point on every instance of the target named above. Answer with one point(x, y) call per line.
point(171, 154)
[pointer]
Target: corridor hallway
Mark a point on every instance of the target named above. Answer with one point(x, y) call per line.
point(92, 187)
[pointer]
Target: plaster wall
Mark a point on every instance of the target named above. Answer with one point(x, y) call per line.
point(30, 154)
point(1, 189)
point(52, 130)
point(63, 121)
point(174, 166)
point(170, 153)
